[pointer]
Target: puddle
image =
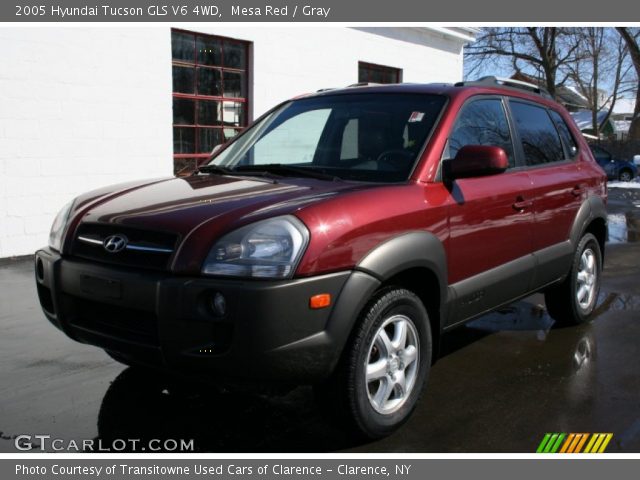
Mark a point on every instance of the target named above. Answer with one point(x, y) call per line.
point(623, 228)
point(522, 316)
point(617, 302)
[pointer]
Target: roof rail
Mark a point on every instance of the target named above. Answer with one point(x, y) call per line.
point(507, 82)
point(353, 85)
point(363, 84)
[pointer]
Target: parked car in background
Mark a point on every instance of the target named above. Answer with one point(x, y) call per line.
point(614, 168)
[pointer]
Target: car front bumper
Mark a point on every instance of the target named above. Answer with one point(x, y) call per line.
point(267, 333)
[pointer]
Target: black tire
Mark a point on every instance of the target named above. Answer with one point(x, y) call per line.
point(562, 300)
point(129, 362)
point(118, 357)
point(350, 396)
point(625, 175)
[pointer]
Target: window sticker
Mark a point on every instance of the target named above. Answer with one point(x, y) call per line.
point(416, 117)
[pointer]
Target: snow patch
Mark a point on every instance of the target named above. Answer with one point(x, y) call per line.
point(633, 184)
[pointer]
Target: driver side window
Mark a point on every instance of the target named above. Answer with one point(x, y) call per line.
point(481, 122)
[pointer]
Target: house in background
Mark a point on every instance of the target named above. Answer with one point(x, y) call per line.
point(622, 116)
point(616, 126)
point(82, 108)
point(567, 96)
point(584, 121)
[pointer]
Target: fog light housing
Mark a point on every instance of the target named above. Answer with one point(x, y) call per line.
point(218, 304)
point(40, 269)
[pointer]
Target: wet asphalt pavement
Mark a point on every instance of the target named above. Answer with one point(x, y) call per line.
point(502, 382)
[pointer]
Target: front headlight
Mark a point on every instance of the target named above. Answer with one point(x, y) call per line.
point(266, 249)
point(58, 227)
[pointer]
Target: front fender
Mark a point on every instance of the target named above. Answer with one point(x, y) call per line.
point(410, 250)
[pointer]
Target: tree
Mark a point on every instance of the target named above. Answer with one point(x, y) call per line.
point(540, 52)
point(600, 71)
point(631, 37)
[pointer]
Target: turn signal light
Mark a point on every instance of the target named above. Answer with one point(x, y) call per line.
point(322, 300)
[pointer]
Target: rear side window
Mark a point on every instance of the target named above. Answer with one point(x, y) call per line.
point(565, 134)
point(539, 137)
point(481, 122)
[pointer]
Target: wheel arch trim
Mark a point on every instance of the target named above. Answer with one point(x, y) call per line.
point(416, 249)
point(592, 208)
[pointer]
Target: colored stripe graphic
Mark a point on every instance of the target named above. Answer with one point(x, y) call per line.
point(543, 443)
point(567, 443)
point(574, 442)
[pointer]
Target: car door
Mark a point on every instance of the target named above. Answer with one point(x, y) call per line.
point(559, 185)
point(605, 160)
point(490, 217)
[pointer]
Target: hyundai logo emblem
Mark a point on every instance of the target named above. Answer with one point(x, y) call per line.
point(115, 243)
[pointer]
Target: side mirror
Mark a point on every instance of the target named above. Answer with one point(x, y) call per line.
point(476, 161)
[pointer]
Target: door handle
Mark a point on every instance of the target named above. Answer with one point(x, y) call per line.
point(577, 191)
point(521, 203)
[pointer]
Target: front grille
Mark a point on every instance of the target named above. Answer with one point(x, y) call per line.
point(126, 324)
point(144, 248)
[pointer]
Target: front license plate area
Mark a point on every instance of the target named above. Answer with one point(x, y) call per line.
point(101, 287)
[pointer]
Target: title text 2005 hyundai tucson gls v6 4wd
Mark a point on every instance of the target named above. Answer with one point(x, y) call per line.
point(335, 240)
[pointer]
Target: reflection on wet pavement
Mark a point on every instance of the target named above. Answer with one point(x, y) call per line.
point(623, 227)
point(502, 381)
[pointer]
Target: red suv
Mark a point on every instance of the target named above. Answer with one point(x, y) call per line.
point(334, 241)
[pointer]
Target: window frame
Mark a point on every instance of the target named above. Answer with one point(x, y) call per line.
point(380, 68)
point(516, 138)
point(245, 101)
point(507, 114)
point(412, 173)
point(567, 149)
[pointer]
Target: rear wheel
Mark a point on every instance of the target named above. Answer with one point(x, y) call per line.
point(385, 365)
point(626, 176)
point(574, 300)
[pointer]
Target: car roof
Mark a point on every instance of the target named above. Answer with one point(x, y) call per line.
point(448, 89)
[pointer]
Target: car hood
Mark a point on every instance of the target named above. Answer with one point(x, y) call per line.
point(182, 205)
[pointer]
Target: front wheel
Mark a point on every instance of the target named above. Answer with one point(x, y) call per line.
point(574, 300)
point(385, 365)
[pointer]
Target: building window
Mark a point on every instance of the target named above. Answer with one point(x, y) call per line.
point(370, 73)
point(209, 94)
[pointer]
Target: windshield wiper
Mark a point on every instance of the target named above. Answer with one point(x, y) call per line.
point(231, 171)
point(287, 171)
point(211, 168)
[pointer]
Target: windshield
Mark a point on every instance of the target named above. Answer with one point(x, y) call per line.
point(365, 137)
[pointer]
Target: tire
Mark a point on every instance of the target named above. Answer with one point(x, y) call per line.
point(625, 176)
point(398, 365)
point(118, 357)
point(573, 301)
point(127, 361)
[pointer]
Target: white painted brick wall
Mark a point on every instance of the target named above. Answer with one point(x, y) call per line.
point(79, 108)
point(290, 61)
point(82, 108)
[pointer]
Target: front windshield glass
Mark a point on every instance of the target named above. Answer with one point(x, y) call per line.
point(365, 137)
